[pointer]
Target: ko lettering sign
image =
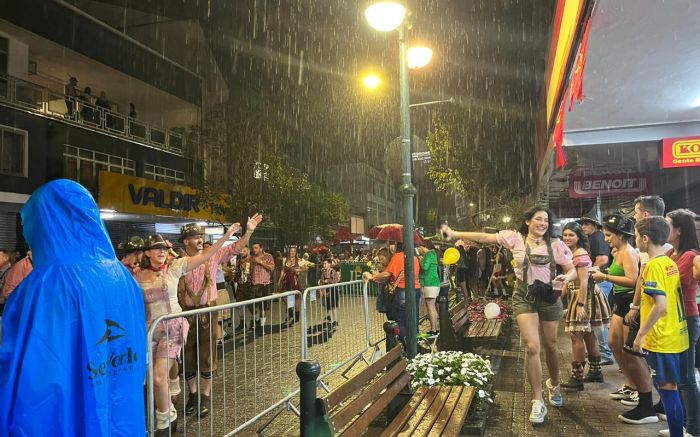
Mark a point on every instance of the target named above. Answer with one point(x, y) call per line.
point(133, 195)
point(618, 184)
point(679, 152)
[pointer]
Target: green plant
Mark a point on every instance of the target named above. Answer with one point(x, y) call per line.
point(453, 368)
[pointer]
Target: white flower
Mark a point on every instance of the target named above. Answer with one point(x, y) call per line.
point(441, 372)
point(482, 393)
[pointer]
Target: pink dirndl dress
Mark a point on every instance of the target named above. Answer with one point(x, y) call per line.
point(170, 335)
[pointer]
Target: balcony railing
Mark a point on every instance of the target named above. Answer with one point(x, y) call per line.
point(34, 98)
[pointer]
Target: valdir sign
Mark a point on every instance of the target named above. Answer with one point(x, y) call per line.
point(134, 195)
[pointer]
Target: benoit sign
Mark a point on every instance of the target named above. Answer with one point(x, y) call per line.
point(130, 194)
point(607, 184)
point(679, 152)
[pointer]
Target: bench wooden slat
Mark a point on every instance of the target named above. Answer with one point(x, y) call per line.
point(425, 426)
point(447, 410)
point(454, 425)
point(341, 418)
point(360, 425)
point(459, 315)
point(406, 413)
point(485, 328)
point(355, 383)
point(417, 416)
point(452, 311)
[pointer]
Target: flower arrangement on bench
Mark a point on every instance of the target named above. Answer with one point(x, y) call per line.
point(476, 310)
point(453, 368)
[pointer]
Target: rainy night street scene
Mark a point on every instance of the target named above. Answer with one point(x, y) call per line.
point(323, 218)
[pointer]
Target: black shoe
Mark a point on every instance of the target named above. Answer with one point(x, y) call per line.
point(639, 416)
point(573, 384)
point(607, 362)
point(594, 377)
point(660, 410)
point(204, 405)
point(191, 404)
point(334, 324)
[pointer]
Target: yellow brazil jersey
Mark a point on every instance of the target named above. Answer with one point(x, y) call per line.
point(670, 333)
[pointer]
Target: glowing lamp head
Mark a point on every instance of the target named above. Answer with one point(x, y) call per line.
point(419, 57)
point(385, 16)
point(371, 81)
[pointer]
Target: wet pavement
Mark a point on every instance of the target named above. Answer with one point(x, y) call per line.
point(587, 413)
point(257, 373)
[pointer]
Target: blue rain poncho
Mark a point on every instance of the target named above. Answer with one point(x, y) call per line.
point(73, 353)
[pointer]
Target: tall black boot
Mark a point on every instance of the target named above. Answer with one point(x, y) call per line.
point(595, 371)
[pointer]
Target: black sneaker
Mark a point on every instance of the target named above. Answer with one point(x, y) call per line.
point(660, 411)
point(623, 392)
point(639, 416)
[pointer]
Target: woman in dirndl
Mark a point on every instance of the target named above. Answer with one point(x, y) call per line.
point(159, 280)
point(588, 309)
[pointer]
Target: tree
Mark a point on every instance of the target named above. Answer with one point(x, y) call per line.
point(459, 167)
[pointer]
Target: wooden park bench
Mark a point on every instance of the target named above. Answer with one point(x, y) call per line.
point(485, 329)
point(454, 324)
point(352, 407)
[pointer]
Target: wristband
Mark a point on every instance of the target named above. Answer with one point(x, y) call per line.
point(606, 278)
point(634, 307)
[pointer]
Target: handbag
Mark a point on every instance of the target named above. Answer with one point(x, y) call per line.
point(383, 303)
point(543, 292)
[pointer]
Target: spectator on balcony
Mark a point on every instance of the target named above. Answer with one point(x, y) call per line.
point(71, 93)
point(132, 110)
point(87, 112)
point(102, 101)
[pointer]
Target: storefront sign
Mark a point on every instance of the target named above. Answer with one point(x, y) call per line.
point(680, 152)
point(129, 194)
point(619, 184)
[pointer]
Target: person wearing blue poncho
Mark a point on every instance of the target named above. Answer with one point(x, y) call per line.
point(73, 353)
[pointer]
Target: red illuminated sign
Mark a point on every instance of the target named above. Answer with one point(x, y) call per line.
point(679, 152)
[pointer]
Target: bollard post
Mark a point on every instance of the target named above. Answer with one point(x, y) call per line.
point(392, 331)
point(307, 371)
point(446, 339)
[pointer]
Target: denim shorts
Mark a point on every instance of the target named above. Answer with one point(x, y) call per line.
point(525, 303)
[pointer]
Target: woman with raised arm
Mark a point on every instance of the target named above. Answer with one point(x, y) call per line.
point(159, 281)
point(536, 303)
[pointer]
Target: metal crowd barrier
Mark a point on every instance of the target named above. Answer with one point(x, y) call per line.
point(256, 367)
point(256, 378)
point(334, 345)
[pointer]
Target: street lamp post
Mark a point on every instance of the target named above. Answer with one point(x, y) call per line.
point(409, 192)
point(387, 16)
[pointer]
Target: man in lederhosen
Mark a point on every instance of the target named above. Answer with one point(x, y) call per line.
point(198, 290)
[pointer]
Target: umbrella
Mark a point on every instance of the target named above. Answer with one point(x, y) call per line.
point(320, 249)
point(394, 232)
point(375, 230)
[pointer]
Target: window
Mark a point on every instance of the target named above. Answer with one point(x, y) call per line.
point(13, 151)
point(84, 165)
point(163, 174)
point(4, 56)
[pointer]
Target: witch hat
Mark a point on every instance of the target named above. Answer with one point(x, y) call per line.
point(594, 215)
